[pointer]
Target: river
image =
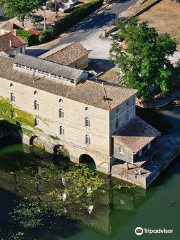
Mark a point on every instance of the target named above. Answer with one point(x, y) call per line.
point(115, 214)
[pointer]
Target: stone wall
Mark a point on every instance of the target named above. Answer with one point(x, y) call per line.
point(73, 122)
point(126, 155)
point(81, 63)
point(125, 112)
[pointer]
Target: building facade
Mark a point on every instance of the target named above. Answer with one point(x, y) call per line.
point(84, 118)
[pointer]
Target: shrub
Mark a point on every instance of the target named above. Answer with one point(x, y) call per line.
point(28, 37)
point(67, 22)
point(46, 35)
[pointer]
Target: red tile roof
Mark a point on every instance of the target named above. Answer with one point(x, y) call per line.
point(35, 32)
point(5, 40)
point(136, 134)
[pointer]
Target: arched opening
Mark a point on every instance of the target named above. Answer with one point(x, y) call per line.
point(85, 158)
point(37, 148)
point(31, 141)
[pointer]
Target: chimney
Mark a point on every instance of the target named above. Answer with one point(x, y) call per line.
point(104, 96)
point(15, 32)
point(10, 43)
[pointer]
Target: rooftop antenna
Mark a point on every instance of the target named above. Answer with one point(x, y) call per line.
point(105, 95)
point(33, 76)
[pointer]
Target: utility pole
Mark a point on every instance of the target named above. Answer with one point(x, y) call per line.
point(44, 8)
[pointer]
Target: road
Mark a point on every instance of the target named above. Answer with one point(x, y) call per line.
point(87, 32)
point(91, 27)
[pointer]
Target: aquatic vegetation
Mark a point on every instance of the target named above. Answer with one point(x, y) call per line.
point(28, 215)
point(53, 191)
point(123, 186)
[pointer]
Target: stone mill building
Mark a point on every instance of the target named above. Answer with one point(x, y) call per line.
point(85, 117)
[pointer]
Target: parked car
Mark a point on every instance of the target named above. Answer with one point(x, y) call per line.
point(66, 8)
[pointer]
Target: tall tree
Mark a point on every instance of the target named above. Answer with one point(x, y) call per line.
point(145, 62)
point(21, 8)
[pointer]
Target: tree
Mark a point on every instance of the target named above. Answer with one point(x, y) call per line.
point(54, 6)
point(21, 8)
point(144, 63)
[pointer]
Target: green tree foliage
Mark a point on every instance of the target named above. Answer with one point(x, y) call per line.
point(21, 8)
point(145, 62)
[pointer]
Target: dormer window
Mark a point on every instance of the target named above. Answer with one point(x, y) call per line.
point(87, 122)
point(35, 92)
point(61, 113)
point(11, 85)
point(60, 100)
point(36, 105)
point(86, 109)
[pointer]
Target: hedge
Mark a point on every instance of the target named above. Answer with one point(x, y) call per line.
point(28, 37)
point(64, 24)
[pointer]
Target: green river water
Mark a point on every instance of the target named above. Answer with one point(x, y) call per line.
point(116, 213)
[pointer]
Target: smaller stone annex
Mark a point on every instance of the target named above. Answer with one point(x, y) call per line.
point(71, 54)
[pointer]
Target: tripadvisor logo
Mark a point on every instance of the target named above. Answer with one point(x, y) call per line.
point(138, 231)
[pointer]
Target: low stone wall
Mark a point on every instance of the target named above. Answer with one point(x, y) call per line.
point(128, 176)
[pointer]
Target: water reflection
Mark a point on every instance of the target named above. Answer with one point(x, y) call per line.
point(44, 180)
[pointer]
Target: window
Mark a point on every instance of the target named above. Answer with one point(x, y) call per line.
point(60, 100)
point(61, 113)
point(127, 103)
point(86, 109)
point(61, 130)
point(117, 110)
point(127, 116)
point(149, 145)
point(35, 92)
point(12, 97)
point(36, 105)
point(140, 153)
point(117, 123)
point(36, 122)
point(13, 114)
point(121, 150)
point(87, 122)
point(87, 139)
point(11, 85)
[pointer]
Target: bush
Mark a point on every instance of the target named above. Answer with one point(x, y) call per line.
point(28, 37)
point(67, 22)
point(46, 35)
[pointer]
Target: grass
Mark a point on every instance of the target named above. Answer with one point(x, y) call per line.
point(28, 132)
point(7, 111)
point(165, 17)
